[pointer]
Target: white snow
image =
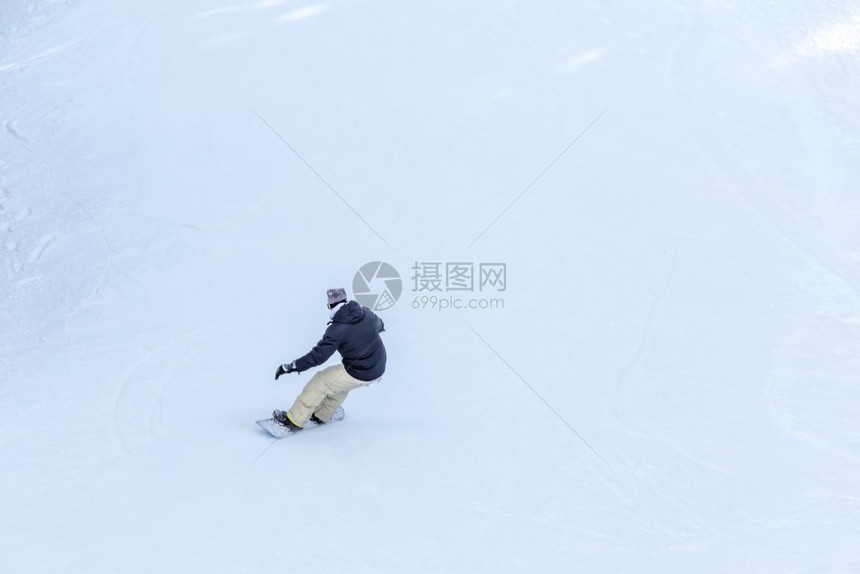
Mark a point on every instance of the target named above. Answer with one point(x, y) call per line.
point(671, 386)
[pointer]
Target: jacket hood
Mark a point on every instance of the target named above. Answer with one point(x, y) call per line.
point(350, 312)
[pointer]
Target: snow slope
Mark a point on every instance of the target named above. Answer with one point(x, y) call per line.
point(671, 385)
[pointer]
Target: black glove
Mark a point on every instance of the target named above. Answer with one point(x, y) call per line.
point(285, 368)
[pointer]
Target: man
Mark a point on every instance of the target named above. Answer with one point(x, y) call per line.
point(354, 332)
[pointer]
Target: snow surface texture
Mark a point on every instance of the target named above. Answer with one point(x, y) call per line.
point(672, 385)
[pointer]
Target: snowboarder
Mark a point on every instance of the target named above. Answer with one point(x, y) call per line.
point(353, 331)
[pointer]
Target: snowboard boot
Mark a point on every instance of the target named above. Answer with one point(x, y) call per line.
point(317, 420)
point(282, 418)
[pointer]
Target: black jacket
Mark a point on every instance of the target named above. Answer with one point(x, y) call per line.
point(354, 333)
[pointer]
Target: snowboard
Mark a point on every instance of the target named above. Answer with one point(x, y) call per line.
point(278, 430)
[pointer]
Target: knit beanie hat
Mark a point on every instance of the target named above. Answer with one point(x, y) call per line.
point(335, 296)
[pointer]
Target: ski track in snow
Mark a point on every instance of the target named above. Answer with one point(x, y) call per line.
point(778, 387)
point(730, 163)
point(43, 245)
point(23, 64)
point(682, 57)
point(738, 174)
point(10, 128)
point(639, 351)
point(771, 212)
point(625, 476)
point(150, 389)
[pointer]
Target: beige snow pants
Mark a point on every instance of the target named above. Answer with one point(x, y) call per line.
point(326, 391)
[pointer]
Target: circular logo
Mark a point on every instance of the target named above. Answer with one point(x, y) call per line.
point(377, 285)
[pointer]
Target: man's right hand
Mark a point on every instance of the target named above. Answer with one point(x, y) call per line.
point(284, 369)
